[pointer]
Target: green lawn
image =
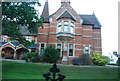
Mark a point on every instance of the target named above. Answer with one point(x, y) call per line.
point(13, 70)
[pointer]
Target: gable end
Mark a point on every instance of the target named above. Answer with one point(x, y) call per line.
point(66, 14)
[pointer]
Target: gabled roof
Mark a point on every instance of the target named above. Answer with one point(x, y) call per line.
point(63, 12)
point(66, 14)
point(91, 20)
point(13, 44)
point(24, 30)
point(32, 46)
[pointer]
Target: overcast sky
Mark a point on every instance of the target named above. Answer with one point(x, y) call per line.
point(106, 12)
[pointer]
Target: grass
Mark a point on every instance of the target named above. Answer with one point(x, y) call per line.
point(13, 70)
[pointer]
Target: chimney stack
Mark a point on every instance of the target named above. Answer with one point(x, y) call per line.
point(65, 1)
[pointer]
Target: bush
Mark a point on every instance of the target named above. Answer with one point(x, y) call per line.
point(86, 59)
point(77, 61)
point(100, 60)
point(31, 57)
point(51, 54)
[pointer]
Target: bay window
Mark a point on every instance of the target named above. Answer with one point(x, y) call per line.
point(65, 26)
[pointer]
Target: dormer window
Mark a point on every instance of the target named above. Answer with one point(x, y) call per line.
point(65, 26)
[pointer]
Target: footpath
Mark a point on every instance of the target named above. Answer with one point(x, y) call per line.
point(22, 61)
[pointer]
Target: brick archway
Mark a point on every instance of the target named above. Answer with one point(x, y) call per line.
point(8, 52)
point(20, 52)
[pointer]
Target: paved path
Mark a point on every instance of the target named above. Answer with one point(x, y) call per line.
point(22, 61)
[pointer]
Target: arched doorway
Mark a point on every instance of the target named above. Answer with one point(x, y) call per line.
point(7, 53)
point(20, 52)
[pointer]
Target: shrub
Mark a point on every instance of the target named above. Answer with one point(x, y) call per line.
point(86, 59)
point(100, 60)
point(31, 57)
point(51, 54)
point(76, 61)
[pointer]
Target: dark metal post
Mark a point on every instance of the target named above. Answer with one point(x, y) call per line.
point(54, 70)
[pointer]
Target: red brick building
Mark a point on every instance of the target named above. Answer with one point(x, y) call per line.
point(81, 34)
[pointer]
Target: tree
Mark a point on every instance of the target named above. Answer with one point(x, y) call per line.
point(16, 14)
point(51, 54)
point(100, 60)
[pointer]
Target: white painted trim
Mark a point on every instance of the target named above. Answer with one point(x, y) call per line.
point(79, 49)
point(87, 29)
point(9, 43)
point(42, 33)
point(68, 12)
point(50, 19)
point(52, 26)
point(51, 43)
point(97, 38)
point(87, 36)
point(78, 27)
point(81, 21)
point(78, 44)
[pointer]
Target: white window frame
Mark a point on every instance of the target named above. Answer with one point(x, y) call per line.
point(61, 48)
point(88, 49)
point(40, 47)
point(5, 38)
point(58, 26)
point(28, 38)
point(70, 27)
point(73, 50)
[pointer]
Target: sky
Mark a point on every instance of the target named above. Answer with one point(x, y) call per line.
point(106, 12)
